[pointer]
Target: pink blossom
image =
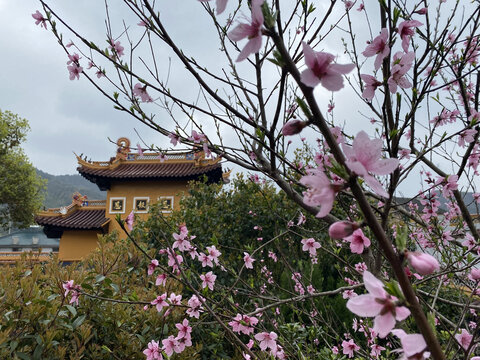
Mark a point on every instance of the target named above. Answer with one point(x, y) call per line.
point(361, 7)
point(301, 219)
point(205, 259)
point(73, 58)
point(75, 289)
point(160, 302)
point(349, 347)
point(130, 220)
point(293, 127)
point(376, 350)
point(208, 280)
point(475, 274)
point(252, 31)
point(195, 307)
point(348, 5)
point(401, 64)
point(161, 280)
point(449, 185)
point(342, 229)
point(141, 92)
point(184, 330)
point(213, 253)
point(469, 241)
point(466, 136)
point(152, 266)
point(406, 30)
point(115, 46)
point(39, 19)
point(311, 246)
point(320, 191)
point(423, 263)
point(248, 259)
point(358, 241)
point(68, 286)
point(75, 71)
point(221, 5)
point(412, 344)
point(174, 259)
point(379, 46)
point(99, 74)
point(181, 242)
point(153, 352)
point(197, 138)
point(348, 294)
point(174, 138)
point(171, 345)
point(267, 340)
point(371, 85)
point(243, 324)
point(365, 157)
point(320, 69)
point(464, 339)
point(330, 107)
point(379, 304)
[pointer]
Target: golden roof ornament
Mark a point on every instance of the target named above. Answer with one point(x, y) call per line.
point(123, 149)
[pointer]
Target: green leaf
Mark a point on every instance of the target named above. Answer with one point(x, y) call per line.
point(52, 297)
point(72, 310)
point(37, 354)
point(78, 321)
point(401, 239)
point(23, 356)
point(13, 345)
point(396, 15)
point(303, 105)
point(393, 288)
point(105, 347)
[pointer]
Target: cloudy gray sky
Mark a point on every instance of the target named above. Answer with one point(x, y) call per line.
point(67, 116)
point(64, 115)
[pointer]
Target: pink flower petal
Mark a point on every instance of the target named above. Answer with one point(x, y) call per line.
point(383, 324)
point(364, 305)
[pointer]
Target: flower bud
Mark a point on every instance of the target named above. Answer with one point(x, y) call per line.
point(293, 127)
point(422, 11)
point(342, 229)
point(423, 263)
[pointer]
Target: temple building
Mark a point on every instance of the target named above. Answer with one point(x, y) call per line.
point(133, 181)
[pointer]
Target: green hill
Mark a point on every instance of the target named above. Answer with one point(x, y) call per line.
point(61, 187)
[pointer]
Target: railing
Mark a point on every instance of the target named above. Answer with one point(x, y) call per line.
point(156, 156)
point(60, 210)
point(94, 203)
point(147, 156)
point(86, 204)
point(12, 256)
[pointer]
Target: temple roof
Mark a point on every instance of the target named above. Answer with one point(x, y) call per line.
point(127, 166)
point(80, 219)
point(88, 216)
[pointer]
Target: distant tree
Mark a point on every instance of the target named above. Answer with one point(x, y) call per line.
point(21, 190)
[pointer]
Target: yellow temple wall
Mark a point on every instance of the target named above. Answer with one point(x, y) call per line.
point(76, 244)
point(136, 190)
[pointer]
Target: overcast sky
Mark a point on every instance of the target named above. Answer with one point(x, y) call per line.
point(64, 115)
point(67, 116)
